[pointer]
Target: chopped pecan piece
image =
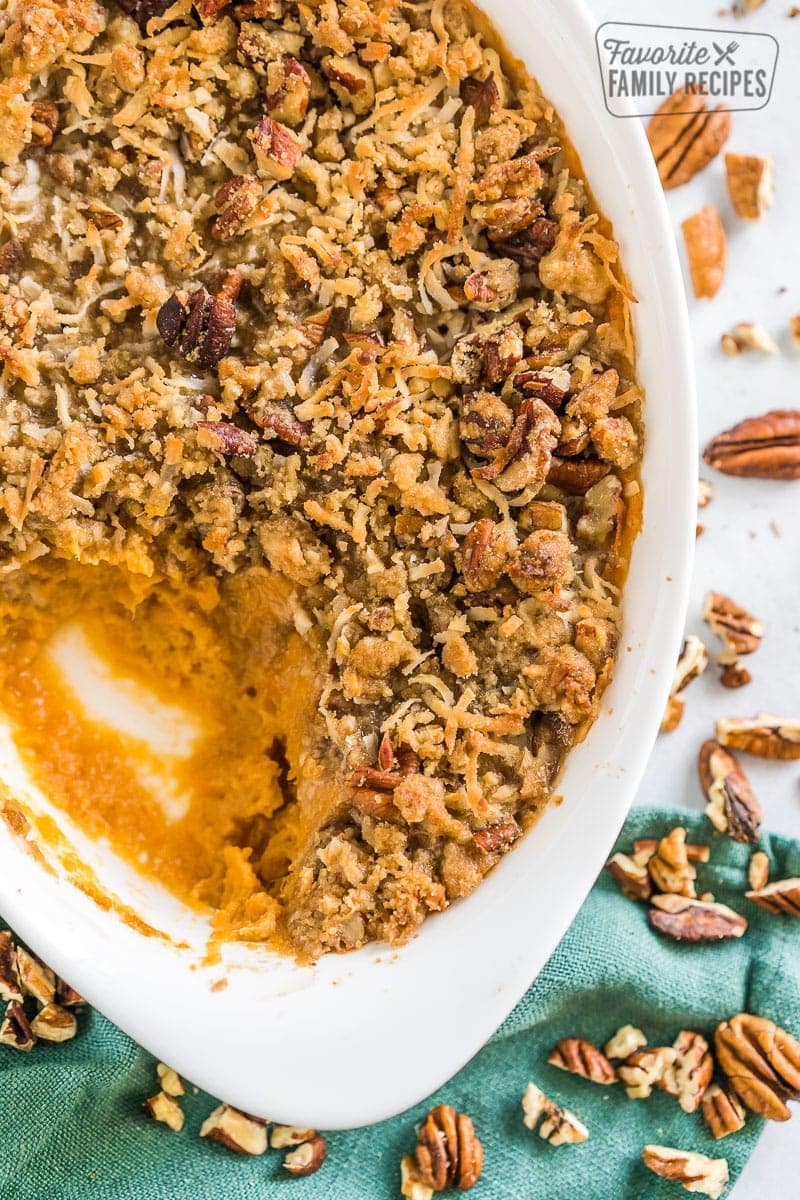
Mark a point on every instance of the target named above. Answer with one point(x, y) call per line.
point(732, 808)
point(499, 836)
point(706, 247)
point(794, 329)
point(170, 1080)
point(482, 95)
point(645, 848)
point(15, 1030)
point(351, 81)
point(670, 868)
point(45, 118)
point(747, 336)
point(142, 11)
point(208, 10)
point(10, 986)
point(705, 493)
point(690, 1074)
point(751, 184)
point(550, 385)
point(524, 461)
point(734, 625)
point(201, 325)
point(625, 1042)
point(580, 1057)
point(692, 662)
point(722, 1112)
point(762, 1063)
point(782, 896)
point(448, 1154)
point(276, 148)
point(644, 1069)
point(288, 91)
point(36, 979)
point(633, 880)
point(279, 420)
point(686, 920)
point(227, 438)
point(734, 675)
point(576, 476)
point(308, 1157)
point(484, 554)
point(559, 1126)
point(528, 245)
point(697, 1173)
point(541, 564)
point(166, 1110)
point(235, 1130)
point(283, 1136)
point(411, 1186)
point(493, 287)
point(765, 736)
point(54, 1024)
point(685, 136)
point(758, 871)
point(11, 256)
point(236, 201)
point(766, 447)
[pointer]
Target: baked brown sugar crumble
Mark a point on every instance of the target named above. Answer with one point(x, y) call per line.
point(318, 392)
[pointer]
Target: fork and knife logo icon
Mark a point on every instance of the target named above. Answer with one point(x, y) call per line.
point(725, 53)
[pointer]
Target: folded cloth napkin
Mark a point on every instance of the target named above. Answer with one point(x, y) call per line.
point(72, 1127)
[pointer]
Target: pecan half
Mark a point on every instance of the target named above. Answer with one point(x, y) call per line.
point(236, 201)
point(697, 1173)
point(10, 986)
point(782, 896)
point(15, 1030)
point(308, 1157)
point(751, 184)
point(632, 879)
point(235, 1130)
point(644, 1069)
point(559, 1126)
point(686, 920)
point(722, 1112)
point(201, 325)
point(762, 1063)
point(448, 1153)
point(482, 95)
point(670, 868)
point(764, 736)
point(166, 1110)
point(580, 1057)
point(690, 1074)
point(766, 447)
point(227, 438)
point(732, 808)
point(626, 1041)
point(496, 837)
point(685, 136)
point(706, 248)
point(734, 625)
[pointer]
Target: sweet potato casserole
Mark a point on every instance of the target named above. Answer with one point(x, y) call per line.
point(319, 417)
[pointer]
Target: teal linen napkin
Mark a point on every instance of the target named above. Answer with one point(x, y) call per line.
point(71, 1126)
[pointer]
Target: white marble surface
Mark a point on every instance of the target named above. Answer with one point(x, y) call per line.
point(751, 547)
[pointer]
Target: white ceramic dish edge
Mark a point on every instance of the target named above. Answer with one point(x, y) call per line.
point(360, 1038)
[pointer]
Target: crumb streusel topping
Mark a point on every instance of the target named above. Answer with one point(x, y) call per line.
point(317, 289)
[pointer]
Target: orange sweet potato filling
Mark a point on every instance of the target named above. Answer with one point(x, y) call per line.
point(224, 654)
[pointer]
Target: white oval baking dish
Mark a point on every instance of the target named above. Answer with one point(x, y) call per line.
point(359, 1038)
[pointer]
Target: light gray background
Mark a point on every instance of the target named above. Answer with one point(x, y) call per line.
point(751, 547)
